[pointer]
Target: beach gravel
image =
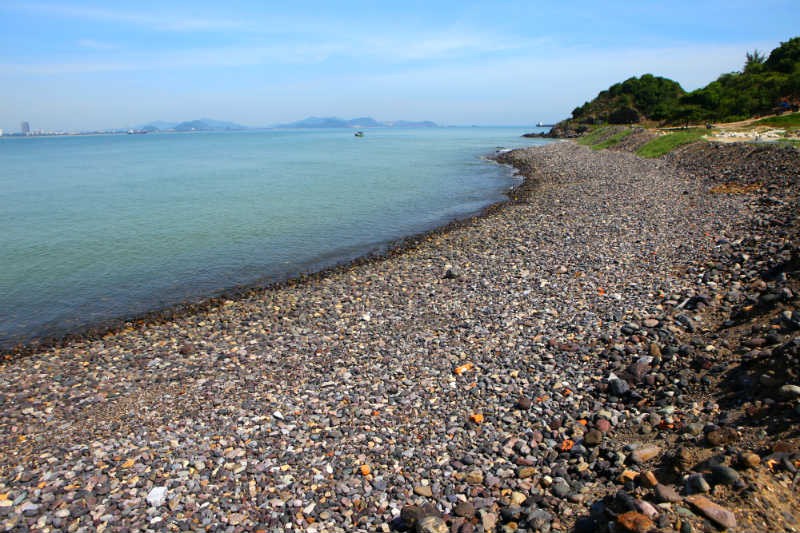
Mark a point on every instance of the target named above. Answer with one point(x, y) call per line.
point(511, 374)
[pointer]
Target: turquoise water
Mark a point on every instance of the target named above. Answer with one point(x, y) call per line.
point(96, 228)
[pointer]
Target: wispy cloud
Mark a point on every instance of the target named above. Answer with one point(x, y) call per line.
point(92, 44)
point(445, 45)
point(53, 69)
point(579, 73)
point(376, 50)
point(183, 59)
point(162, 22)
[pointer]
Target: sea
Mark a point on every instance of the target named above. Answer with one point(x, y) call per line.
point(96, 229)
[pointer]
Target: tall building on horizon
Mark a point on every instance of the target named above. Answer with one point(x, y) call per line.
point(25, 128)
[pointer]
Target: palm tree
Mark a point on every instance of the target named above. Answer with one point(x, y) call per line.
point(754, 61)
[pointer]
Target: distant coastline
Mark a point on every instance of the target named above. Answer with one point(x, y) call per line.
point(356, 123)
point(208, 124)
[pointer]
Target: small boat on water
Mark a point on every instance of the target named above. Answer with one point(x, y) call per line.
point(359, 134)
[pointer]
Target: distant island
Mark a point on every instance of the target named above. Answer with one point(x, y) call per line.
point(207, 124)
point(358, 123)
point(200, 124)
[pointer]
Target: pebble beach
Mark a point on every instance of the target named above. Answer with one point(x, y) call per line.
point(575, 359)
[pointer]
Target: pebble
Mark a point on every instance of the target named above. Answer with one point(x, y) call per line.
point(464, 509)
point(635, 522)
point(423, 490)
point(526, 472)
point(749, 459)
point(488, 520)
point(603, 425)
point(645, 453)
point(697, 483)
point(187, 348)
point(517, 498)
point(593, 437)
point(646, 509)
point(157, 496)
point(560, 488)
point(628, 476)
point(524, 403)
point(724, 475)
point(721, 437)
point(618, 387)
point(694, 428)
point(683, 459)
point(648, 479)
point(475, 477)
point(29, 509)
point(432, 524)
point(718, 514)
point(655, 351)
point(540, 520)
point(666, 493)
point(790, 391)
point(410, 515)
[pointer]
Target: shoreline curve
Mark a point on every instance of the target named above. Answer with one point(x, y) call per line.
point(384, 251)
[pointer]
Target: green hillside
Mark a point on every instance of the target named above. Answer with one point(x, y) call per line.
point(765, 85)
point(634, 100)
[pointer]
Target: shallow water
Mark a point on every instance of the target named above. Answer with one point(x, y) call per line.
point(102, 227)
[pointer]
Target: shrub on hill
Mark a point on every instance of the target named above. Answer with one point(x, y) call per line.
point(648, 97)
point(785, 58)
point(765, 85)
point(758, 89)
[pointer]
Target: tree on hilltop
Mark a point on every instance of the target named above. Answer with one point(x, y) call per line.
point(785, 58)
point(754, 62)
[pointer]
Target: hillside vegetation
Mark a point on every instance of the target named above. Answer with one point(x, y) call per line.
point(648, 145)
point(634, 100)
point(766, 84)
point(664, 144)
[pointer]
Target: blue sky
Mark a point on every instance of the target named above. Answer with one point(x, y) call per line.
point(72, 65)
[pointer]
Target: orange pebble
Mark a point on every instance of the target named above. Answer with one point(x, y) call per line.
point(477, 418)
point(463, 368)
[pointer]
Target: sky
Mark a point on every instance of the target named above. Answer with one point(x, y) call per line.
point(83, 65)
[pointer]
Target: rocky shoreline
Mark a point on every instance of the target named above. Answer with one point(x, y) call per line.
point(617, 347)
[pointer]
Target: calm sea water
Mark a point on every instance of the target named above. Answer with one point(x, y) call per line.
point(96, 228)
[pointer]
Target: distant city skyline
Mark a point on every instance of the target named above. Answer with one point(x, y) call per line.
point(86, 65)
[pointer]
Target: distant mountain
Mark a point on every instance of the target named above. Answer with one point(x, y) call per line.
point(208, 124)
point(201, 124)
point(157, 125)
point(364, 122)
point(317, 122)
point(361, 122)
point(412, 124)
